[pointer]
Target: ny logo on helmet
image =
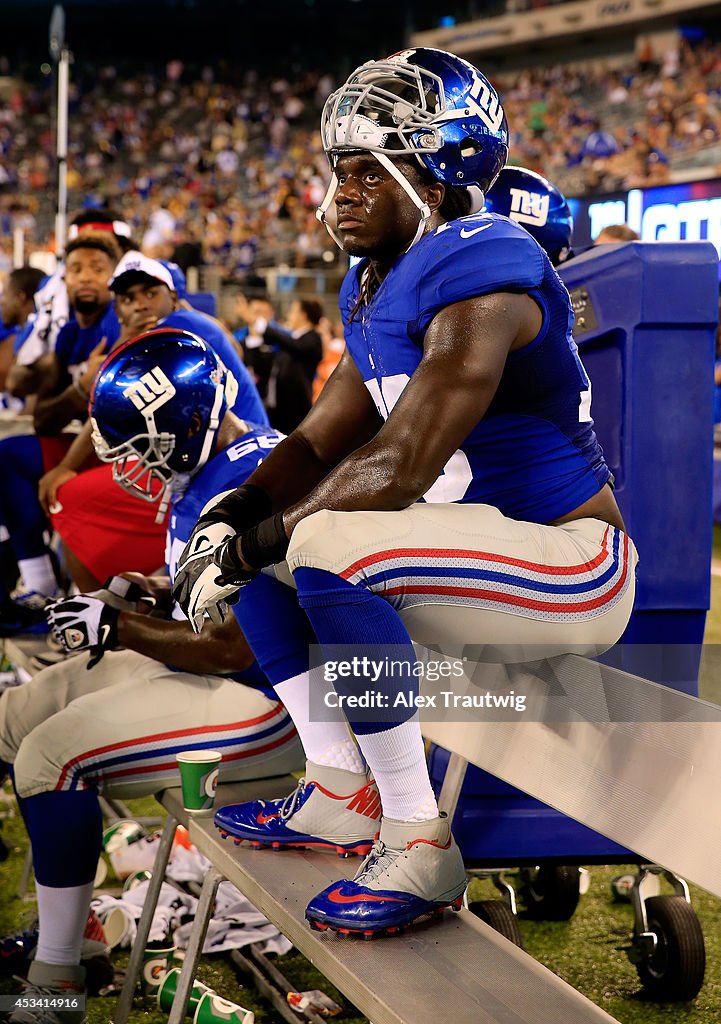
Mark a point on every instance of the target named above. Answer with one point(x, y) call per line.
point(151, 391)
point(484, 102)
point(529, 207)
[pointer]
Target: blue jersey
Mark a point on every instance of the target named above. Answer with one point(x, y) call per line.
point(534, 454)
point(23, 333)
point(75, 343)
point(248, 404)
point(224, 472)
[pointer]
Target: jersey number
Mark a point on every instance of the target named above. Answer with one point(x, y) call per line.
point(456, 475)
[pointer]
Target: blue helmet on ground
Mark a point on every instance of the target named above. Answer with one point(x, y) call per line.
point(542, 209)
point(422, 103)
point(155, 408)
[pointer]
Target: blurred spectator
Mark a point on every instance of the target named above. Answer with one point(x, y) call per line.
point(258, 356)
point(331, 334)
point(598, 143)
point(615, 233)
point(645, 55)
point(16, 307)
point(297, 351)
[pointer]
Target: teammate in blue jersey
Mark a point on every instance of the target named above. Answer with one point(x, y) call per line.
point(112, 721)
point(104, 531)
point(65, 376)
point(447, 486)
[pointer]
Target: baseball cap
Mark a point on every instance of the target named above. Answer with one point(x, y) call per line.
point(134, 267)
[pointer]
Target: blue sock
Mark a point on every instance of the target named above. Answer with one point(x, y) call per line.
point(66, 831)
point(364, 624)
point(275, 626)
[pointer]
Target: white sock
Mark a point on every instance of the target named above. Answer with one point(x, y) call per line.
point(38, 574)
point(397, 759)
point(62, 914)
point(329, 742)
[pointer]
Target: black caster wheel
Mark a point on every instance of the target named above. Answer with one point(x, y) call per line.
point(550, 892)
point(499, 916)
point(675, 970)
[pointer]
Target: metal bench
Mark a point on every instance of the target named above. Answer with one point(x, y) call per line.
point(458, 966)
point(171, 800)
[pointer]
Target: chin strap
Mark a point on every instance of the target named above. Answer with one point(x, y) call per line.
point(423, 208)
point(228, 390)
point(405, 184)
point(323, 209)
point(164, 502)
point(478, 199)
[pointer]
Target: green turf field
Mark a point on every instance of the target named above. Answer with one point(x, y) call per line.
point(587, 951)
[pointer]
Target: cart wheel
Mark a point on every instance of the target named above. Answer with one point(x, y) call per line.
point(550, 893)
point(499, 915)
point(675, 970)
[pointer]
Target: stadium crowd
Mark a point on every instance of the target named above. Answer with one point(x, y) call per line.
point(228, 173)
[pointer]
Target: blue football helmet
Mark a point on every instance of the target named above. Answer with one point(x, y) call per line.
point(424, 103)
point(542, 209)
point(155, 408)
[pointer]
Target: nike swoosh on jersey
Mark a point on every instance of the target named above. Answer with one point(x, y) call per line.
point(467, 234)
point(336, 896)
point(104, 634)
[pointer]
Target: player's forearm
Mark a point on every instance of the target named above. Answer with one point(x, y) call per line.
point(372, 479)
point(80, 452)
point(52, 414)
point(216, 650)
point(6, 360)
point(290, 472)
point(23, 380)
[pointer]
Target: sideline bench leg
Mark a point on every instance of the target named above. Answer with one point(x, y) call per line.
point(195, 945)
point(162, 856)
point(452, 784)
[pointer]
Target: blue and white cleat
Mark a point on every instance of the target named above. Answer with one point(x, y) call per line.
point(330, 808)
point(413, 869)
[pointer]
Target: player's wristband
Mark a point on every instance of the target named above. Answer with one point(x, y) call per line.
point(265, 544)
point(242, 509)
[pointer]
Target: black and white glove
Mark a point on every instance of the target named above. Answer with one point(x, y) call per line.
point(84, 623)
point(123, 595)
point(220, 582)
point(194, 587)
point(218, 585)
